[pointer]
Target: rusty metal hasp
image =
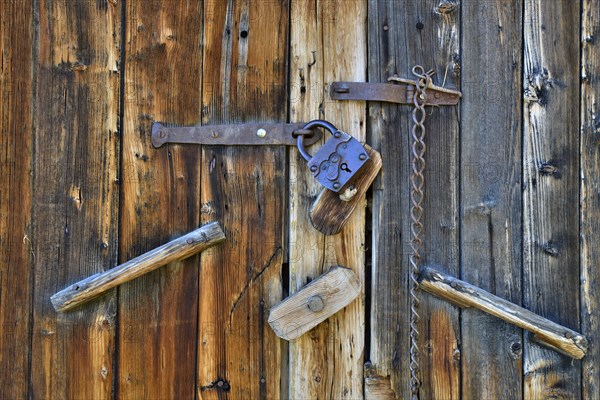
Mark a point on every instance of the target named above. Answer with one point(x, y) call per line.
point(399, 91)
point(249, 134)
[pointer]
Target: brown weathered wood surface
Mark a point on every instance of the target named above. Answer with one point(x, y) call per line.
point(160, 199)
point(590, 199)
point(74, 196)
point(176, 250)
point(465, 295)
point(512, 196)
point(16, 145)
point(491, 196)
point(244, 79)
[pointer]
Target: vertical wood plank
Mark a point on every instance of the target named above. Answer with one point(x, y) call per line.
point(551, 189)
point(75, 200)
point(245, 79)
point(328, 44)
point(590, 198)
point(161, 196)
point(16, 90)
point(491, 197)
point(403, 34)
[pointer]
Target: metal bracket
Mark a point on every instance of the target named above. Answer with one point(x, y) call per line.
point(401, 93)
point(252, 134)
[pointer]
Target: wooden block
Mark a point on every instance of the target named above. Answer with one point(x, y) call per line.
point(329, 212)
point(178, 249)
point(314, 303)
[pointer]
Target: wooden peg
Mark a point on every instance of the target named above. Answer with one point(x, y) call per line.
point(178, 249)
point(330, 211)
point(551, 334)
point(314, 303)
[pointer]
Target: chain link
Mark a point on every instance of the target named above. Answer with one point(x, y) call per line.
point(417, 195)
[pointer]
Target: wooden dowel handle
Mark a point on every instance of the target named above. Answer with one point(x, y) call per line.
point(549, 333)
point(178, 249)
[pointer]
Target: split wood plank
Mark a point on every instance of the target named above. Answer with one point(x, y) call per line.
point(328, 44)
point(16, 107)
point(590, 200)
point(491, 196)
point(244, 79)
point(564, 340)
point(160, 199)
point(551, 189)
point(401, 35)
point(75, 200)
point(176, 250)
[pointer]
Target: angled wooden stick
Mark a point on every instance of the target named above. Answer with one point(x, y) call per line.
point(178, 249)
point(463, 294)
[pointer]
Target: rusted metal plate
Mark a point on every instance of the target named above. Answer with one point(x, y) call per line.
point(391, 93)
point(252, 134)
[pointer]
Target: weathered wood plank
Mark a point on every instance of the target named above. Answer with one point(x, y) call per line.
point(245, 79)
point(402, 34)
point(161, 199)
point(328, 44)
point(75, 200)
point(590, 199)
point(491, 197)
point(551, 189)
point(16, 104)
point(464, 294)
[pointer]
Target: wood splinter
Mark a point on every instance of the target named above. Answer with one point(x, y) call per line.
point(463, 294)
point(192, 243)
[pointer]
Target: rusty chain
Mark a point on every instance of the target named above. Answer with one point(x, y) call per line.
point(417, 195)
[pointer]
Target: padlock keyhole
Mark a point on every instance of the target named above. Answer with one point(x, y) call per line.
point(344, 167)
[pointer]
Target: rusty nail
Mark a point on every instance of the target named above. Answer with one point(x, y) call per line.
point(453, 284)
point(190, 241)
point(385, 28)
point(569, 335)
point(261, 133)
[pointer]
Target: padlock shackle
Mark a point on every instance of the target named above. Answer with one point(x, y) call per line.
point(317, 123)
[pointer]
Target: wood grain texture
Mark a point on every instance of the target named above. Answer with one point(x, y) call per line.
point(328, 44)
point(176, 250)
point(491, 196)
point(551, 187)
point(329, 213)
point(589, 198)
point(16, 103)
point(553, 335)
point(244, 79)
point(160, 199)
point(314, 303)
point(75, 200)
point(402, 34)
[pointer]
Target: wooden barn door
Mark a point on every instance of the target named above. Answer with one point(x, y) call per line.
point(511, 205)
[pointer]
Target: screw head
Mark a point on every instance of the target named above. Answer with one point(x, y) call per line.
point(313, 168)
point(214, 134)
point(336, 185)
point(261, 133)
point(362, 157)
point(335, 157)
point(162, 134)
point(337, 135)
